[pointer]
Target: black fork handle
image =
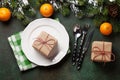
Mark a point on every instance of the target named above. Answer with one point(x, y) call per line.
point(74, 54)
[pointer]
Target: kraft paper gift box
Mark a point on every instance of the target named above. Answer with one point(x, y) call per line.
point(102, 51)
point(46, 44)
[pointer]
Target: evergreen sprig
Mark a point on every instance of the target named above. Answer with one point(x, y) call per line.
point(99, 10)
point(21, 11)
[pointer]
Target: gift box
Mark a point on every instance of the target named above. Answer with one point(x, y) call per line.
point(46, 44)
point(102, 51)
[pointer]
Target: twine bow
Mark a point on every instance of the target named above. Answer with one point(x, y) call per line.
point(46, 42)
point(105, 54)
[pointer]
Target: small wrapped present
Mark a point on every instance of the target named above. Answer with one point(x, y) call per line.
point(102, 51)
point(46, 44)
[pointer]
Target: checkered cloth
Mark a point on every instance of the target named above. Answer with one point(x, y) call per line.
point(22, 61)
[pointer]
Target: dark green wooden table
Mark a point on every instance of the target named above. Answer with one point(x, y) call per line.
point(64, 70)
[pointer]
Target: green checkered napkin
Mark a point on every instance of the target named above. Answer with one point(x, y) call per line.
point(22, 61)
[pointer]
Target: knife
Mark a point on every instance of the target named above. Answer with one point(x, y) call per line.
point(85, 48)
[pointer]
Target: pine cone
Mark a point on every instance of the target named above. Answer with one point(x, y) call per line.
point(113, 10)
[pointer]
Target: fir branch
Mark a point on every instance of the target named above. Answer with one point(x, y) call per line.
point(115, 23)
point(81, 8)
point(118, 2)
point(18, 15)
point(104, 11)
point(64, 9)
point(29, 11)
point(13, 4)
point(99, 19)
point(81, 2)
point(36, 3)
point(26, 20)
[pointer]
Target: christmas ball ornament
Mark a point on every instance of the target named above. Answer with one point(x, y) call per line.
point(46, 10)
point(106, 28)
point(5, 14)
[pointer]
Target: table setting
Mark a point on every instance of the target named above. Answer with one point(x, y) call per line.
point(74, 40)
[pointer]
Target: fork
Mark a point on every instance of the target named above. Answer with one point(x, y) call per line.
point(77, 34)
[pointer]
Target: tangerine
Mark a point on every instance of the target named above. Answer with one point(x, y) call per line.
point(46, 10)
point(5, 14)
point(106, 28)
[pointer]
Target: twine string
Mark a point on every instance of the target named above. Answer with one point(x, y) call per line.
point(45, 42)
point(103, 53)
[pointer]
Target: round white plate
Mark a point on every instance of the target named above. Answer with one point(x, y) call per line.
point(52, 27)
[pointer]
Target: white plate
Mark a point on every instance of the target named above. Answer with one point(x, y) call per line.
point(52, 27)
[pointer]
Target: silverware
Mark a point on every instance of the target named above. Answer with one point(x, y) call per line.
point(85, 48)
point(77, 33)
point(84, 32)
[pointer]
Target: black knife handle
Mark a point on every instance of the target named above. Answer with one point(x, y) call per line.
point(79, 63)
point(74, 54)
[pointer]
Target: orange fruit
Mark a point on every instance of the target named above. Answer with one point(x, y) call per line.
point(106, 28)
point(5, 14)
point(46, 10)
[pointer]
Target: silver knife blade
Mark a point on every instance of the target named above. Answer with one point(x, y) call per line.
point(87, 42)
